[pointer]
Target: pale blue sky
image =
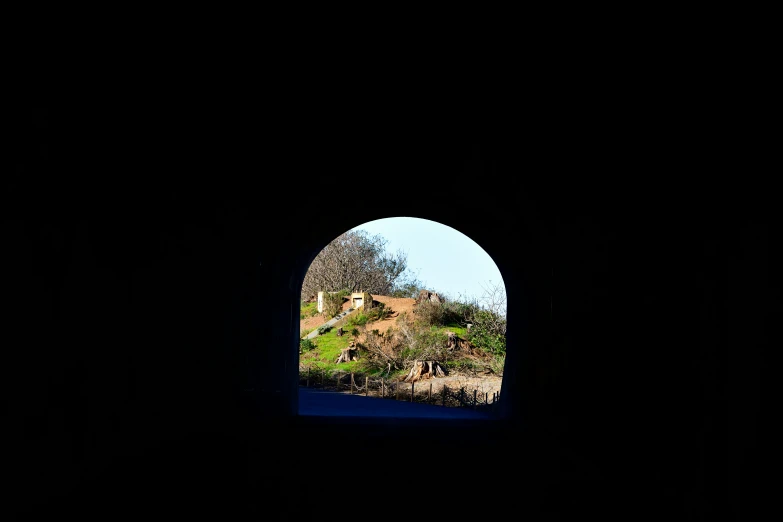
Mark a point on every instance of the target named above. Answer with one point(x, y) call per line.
point(442, 258)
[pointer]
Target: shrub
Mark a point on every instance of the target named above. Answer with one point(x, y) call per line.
point(333, 303)
point(497, 364)
point(359, 319)
point(456, 312)
point(379, 312)
point(323, 329)
point(305, 345)
point(429, 313)
point(488, 331)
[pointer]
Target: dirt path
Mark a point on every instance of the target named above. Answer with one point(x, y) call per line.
point(488, 385)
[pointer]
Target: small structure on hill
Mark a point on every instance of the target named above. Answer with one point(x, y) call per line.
point(361, 299)
point(358, 299)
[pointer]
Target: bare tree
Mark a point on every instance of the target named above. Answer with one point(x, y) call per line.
point(487, 318)
point(358, 262)
point(494, 300)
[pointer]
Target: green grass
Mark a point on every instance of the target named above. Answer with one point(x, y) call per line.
point(460, 331)
point(308, 310)
point(327, 350)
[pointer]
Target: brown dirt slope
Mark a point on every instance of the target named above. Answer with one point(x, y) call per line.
point(398, 305)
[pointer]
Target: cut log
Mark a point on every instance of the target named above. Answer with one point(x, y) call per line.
point(457, 343)
point(425, 370)
point(348, 354)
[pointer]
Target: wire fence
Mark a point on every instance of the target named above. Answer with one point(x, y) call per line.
point(420, 391)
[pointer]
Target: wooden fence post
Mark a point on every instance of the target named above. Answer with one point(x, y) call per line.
point(383, 388)
point(366, 387)
point(412, 392)
point(351, 383)
point(397, 391)
point(475, 401)
point(429, 397)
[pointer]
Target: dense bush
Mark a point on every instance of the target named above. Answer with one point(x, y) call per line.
point(333, 302)
point(488, 331)
point(359, 319)
point(429, 314)
point(378, 312)
point(456, 312)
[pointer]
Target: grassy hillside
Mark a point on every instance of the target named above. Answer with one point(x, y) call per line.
point(391, 351)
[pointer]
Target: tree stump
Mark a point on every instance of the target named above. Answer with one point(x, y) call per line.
point(348, 354)
point(425, 370)
point(457, 343)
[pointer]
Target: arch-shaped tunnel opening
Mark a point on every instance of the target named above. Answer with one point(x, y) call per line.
point(486, 241)
point(432, 287)
point(516, 246)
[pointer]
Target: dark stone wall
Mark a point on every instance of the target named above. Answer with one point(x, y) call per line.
point(152, 255)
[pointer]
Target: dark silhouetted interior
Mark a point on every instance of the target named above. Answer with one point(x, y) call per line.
point(152, 260)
